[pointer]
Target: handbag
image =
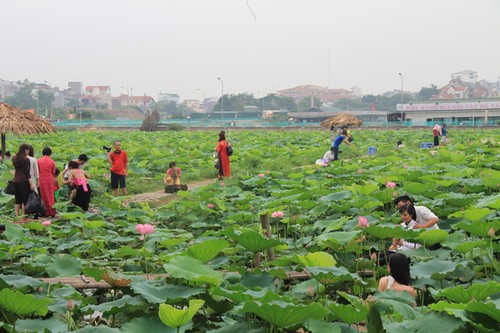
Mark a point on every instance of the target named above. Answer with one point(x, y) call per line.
point(34, 204)
point(10, 188)
point(229, 150)
point(217, 165)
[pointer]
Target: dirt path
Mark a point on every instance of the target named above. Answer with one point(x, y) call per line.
point(161, 196)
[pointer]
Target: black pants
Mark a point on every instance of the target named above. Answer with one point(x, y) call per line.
point(335, 153)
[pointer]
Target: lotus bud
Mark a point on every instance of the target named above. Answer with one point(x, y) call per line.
point(310, 291)
point(276, 282)
point(491, 232)
point(71, 306)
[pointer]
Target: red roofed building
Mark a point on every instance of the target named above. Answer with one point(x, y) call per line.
point(100, 94)
point(456, 89)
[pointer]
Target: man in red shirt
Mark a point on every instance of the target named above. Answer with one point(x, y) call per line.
point(119, 168)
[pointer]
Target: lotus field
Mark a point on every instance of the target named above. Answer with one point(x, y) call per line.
point(202, 262)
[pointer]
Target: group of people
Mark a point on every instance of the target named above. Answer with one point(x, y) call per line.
point(413, 217)
point(35, 175)
point(42, 177)
point(439, 131)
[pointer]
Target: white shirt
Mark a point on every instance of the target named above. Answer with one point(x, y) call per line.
point(34, 172)
point(424, 214)
point(408, 246)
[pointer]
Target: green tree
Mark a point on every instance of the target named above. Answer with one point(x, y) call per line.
point(305, 103)
point(426, 94)
point(151, 122)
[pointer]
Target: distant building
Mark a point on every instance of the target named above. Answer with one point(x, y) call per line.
point(96, 96)
point(166, 97)
point(7, 89)
point(194, 105)
point(76, 88)
point(466, 76)
point(326, 95)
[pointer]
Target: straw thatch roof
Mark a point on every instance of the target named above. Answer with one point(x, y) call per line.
point(341, 119)
point(13, 120)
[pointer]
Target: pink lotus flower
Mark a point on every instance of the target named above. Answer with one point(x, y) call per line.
point(433, 152)
point(362, 222)
point(277, 214)
point(360, 171)
point(210, 206)
point(406, 166)
point(390, 185)
point(261, 175)
point(221, 183)
point(145, 229)
point(46, 223)
point(310, 291)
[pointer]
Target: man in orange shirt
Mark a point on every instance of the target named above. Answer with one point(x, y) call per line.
point(119, 168)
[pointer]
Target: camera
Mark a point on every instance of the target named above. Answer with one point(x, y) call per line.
point(107, 148)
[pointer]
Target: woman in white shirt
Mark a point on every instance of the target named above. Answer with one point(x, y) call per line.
point(35, 175)
point(399, 275)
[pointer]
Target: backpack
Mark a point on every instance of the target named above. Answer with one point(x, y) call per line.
point(229, 151)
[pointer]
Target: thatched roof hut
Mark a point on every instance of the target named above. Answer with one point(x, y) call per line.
point(341, 119)
point(13, 120)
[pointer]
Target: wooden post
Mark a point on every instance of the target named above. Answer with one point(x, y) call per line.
point(266, 227)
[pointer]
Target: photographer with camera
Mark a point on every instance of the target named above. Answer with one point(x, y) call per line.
point(119, 167)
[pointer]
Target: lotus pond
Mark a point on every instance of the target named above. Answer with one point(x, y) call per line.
point(210, 242)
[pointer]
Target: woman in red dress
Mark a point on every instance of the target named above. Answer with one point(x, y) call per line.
point(224, 163)
point(47, 169)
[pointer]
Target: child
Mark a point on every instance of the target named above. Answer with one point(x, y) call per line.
point(56, 184)
point(399, 275)
point(173, 176)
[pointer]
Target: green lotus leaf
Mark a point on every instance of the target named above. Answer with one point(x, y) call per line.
point(490, 309)
point(317, 259)
point(193, 270)
point(207, 250)
point(431, 237)
point(146, 325)
point(427, 323)
point(251, 240)
point(20, 304)
point(240, 294)
point(158, 294)
point(418, 188)
point(478, 292)
point(446, 182)
point(338, 237)
point(348, 313)
point(296, 175)
point(331, 275)
point(174, 317)
point(52, 325)
point(478, 228)
point(94, 224)
point(466, 247)
point(491, 182)
point(126, 252)
point(366, 189)
point(19, 281)
point(476, 214)
point(284, 314)
point(492, 202)
point(435, 268)
point(117, 306)
point(318, 326)
point(65, 265)
point(383, 232)
point(336, 197)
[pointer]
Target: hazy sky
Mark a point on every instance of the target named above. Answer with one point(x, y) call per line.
point(182, 46)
